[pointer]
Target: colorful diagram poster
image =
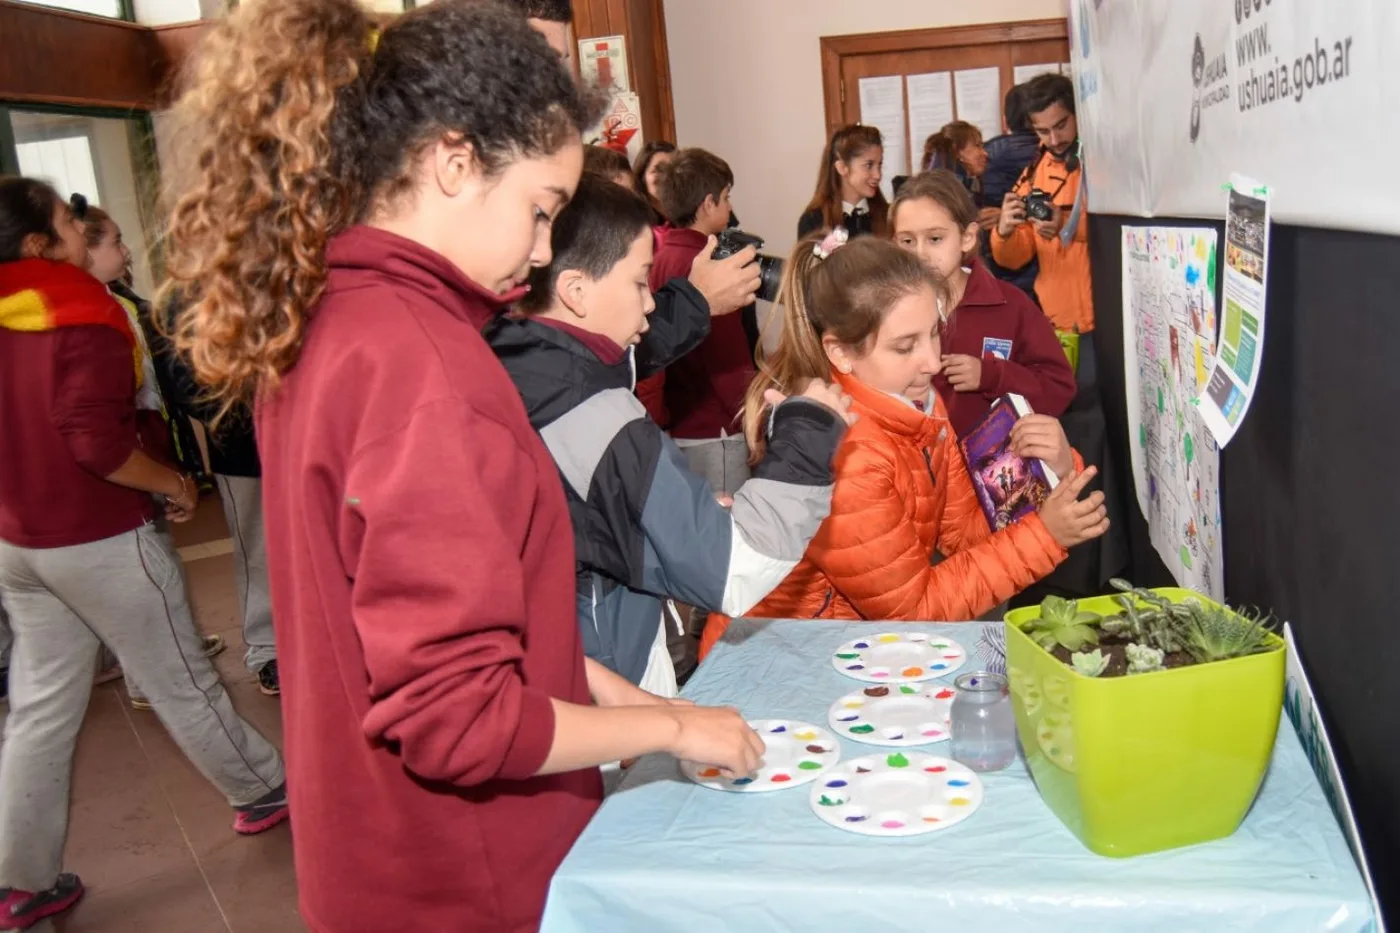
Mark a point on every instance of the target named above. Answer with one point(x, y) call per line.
point(1241, 350)
point(1169, 321)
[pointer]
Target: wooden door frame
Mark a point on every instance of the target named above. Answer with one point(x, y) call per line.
point(835, 48)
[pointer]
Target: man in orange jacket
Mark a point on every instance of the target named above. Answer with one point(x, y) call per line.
point(1045, 214)
point(1046, 217)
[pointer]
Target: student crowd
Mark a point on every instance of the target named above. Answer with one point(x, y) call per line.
point(510, 412)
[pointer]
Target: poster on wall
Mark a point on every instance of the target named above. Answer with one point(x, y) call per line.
point(882, 106)
point(620, 128)
point(930, 109)
point(1240, 352)
point(602, 62)
point(1169, 325)
point(1270, 88)
point(978, 93)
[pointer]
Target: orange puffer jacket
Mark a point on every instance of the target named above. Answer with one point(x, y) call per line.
point(902, 492)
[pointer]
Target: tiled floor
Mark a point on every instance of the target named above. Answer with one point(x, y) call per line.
point(150, 837)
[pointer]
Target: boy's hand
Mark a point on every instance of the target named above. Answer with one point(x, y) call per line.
point(1071, 520)
point(727, 284)
point(964, 372)
point(1041, 437)
point(824, 393)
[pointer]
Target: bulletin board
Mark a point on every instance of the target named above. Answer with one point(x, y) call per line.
point(911, 83)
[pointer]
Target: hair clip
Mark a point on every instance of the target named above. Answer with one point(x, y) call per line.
point(374, 40)
point(836, 239)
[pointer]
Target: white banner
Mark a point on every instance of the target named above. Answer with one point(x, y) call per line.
point(1175, 95)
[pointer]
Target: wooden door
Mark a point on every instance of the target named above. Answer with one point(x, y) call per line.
point(1002, 46)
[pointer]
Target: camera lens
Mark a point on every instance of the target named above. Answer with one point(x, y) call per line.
point(770, 277)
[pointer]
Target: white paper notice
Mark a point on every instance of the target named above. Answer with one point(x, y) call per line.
point(603, 62)
point(1169, 324)
point(1240, 351)
point(882, 106)
point(1024, 73)
point(930, 108)
point(979, 99)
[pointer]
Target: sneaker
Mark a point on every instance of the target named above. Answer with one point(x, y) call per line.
point(268, 681)
point(262, 814)
point(20, 910)
point(141, 703)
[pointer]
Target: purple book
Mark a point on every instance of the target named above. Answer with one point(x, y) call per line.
point(1008, 487)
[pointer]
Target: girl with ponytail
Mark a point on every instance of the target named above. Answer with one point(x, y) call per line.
point(361, 204)
point(867, 315)
point(958, 148)
point(848, 185)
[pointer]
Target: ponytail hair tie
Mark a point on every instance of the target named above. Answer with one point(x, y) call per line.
point(834, 240)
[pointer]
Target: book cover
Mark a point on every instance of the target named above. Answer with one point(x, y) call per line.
point(1008, 487)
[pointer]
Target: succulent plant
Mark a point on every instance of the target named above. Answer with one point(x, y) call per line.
point(1090, 664)
point(1142, 659)
point(1061, 623)
point(1218, 634)
point(1205, 631)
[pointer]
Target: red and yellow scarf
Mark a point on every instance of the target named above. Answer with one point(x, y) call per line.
point(40, 295)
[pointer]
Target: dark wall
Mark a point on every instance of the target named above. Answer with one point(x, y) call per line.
point(1311, 508)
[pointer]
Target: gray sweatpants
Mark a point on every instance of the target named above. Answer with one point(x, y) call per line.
point(127, 591)
point(5, 639)
point(242, 497)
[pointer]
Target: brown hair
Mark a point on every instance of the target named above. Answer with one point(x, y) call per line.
point(942, 148)
point(846, 295)
point(300, 121)
point(847, 144)
point(96, 220)
point(600, 160)
point(943, 188)
point(27, 206)
point(683, 184)
point(639, 171)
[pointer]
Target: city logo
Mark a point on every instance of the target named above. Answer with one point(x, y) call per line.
point(1209, 84)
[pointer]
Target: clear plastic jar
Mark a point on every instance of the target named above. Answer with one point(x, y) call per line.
point(983, 728)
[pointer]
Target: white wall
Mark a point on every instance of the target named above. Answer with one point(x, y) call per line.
point(165, 12)
point(747, 82)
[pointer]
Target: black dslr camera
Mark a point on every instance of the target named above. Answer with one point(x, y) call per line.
point(770, 268)
point(1039, 206)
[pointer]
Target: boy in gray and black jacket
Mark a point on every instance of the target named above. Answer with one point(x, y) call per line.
point(646, 529)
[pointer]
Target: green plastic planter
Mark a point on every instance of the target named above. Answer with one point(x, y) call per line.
point(1146, 762)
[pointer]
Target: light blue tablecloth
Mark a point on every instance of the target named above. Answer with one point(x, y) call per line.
point(665, 854)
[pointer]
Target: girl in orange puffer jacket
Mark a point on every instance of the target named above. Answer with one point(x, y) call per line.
point(867, 316)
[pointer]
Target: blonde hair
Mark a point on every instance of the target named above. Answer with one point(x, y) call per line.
point(845, 296)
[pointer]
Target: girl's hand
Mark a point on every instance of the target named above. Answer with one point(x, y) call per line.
point(964, 372)
point(1040, 437)
point(1071, 520)
point(824, 393)
point(715, 736)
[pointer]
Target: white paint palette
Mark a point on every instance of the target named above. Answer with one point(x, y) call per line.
point(899, 658)
point(795, 753)
point(894, 715)
point(898, 794)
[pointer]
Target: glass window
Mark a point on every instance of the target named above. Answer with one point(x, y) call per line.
point(113, 8)
point(104, 159)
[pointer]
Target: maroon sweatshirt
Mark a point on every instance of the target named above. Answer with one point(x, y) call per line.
point(1016, 342)
point(67, 421)
point(705, 388)
point(422, 568)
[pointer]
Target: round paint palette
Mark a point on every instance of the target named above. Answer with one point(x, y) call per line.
point(899, 794)
point(898, 715)
point(904, 658)
point(794, 753)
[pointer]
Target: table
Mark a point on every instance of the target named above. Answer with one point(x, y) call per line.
point(665, 854)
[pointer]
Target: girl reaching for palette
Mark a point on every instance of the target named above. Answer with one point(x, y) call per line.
point(866, 316)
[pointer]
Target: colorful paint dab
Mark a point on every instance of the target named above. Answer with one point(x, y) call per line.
point(863, 729)
point(810, 765)
point(912, 672)
point(959, 801)
point(780, 778)
point(892, 824)
point(897, 761)
point(826, 801)
point(709, 772)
